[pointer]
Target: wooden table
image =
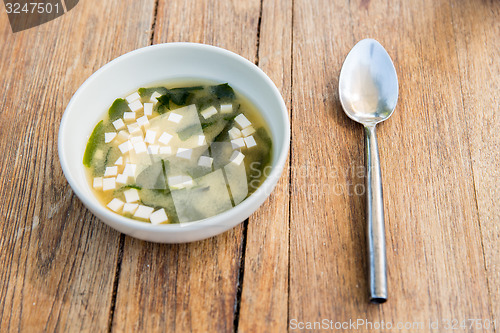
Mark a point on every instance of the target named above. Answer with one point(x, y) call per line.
point(301, 257)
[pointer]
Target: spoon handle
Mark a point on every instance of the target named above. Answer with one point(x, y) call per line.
point(377, 270)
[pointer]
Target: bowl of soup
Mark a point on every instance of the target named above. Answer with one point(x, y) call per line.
point(175, 142)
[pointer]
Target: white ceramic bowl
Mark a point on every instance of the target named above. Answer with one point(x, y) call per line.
point(158, 63)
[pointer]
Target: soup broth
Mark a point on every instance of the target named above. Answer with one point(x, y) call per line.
point(178, 152)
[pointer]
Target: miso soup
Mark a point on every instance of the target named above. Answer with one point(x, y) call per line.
point(178, 152)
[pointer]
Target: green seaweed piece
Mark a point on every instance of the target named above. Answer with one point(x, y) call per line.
point(223, 91)
point(117, 109)
point(96, 137)
point(146, 93)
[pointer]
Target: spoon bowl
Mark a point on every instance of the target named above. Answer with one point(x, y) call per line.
point(368, 90)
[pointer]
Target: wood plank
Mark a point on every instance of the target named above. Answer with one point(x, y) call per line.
point(58, 261)
point(189, 287)
point(477, 37)
point(264, 299)
point(433, 240)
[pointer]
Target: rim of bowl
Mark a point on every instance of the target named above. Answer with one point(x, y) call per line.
point(230, 215)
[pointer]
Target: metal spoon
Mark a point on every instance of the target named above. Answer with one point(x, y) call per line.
point(368, 89)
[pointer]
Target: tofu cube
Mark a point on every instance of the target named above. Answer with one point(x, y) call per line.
point(237, 158)
point(201, 140)
point(136, 139)
point(122, 136)
point(134, 128)
point(184, 153)
point(131, 195)
point(238, 143)
point(154, 97)
point(150, 136)
point(135, 105)
point(97, 183)
point(125, 147)
point(250, 141)
point(208, 112)
point(108, 137)
point(129, 116)
point(130, 208)
point(140, 147)
point(118, 124)
point(143, 121)
point(248, 131)
point(143, 212)
point(121, 179)
point(133, 97)
point(174, 117)
point(234, 133)
point(242, 121)
point(129, 170)
point(111, 171)
point(148, 109)
point(108, 184)
point(115, 205)
point(158, 217)
point(166, 150)
point(153, 149)
point(205, 161)
point(119, 161)
point(226, 108)
point(165, 138)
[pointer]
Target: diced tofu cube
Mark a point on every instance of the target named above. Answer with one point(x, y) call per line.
point(133, 97)
point(179, 182)
point(250, 141)
point(122, 136)
point(108, 184)
point(98, 183)
point(129, 116)
point(121, 179)
point(205, 161)
point(154, 97)
point(166, 150)
point(150, 136)
point(208, 112)
point(153, 149)
point(130, 208)
point(158, 217)
point(165, 138)
point(115, 205)
point(248, 131)
point(242, 121)
point(237, 158)
point(125, 147)
point(234, 133)
point(140, 147)
point(174, 117)
point(118, 124)
point(111, 171)
point(135, 106)
point(201, 140)
point(226, 108)
point(108, 137)
point(143, 121)
point(143, 212)
point(119, 161)
point(129, 170)
point(136, 139)
point(148, 109)
point(238, 143)
point(131, 195)
point(184, 153)
point(134, 128)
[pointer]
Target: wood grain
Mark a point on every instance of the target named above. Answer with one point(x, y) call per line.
point(264, 296)
point(436, 268)
point(191, 287)
point(58, 261)
point(477, 36)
